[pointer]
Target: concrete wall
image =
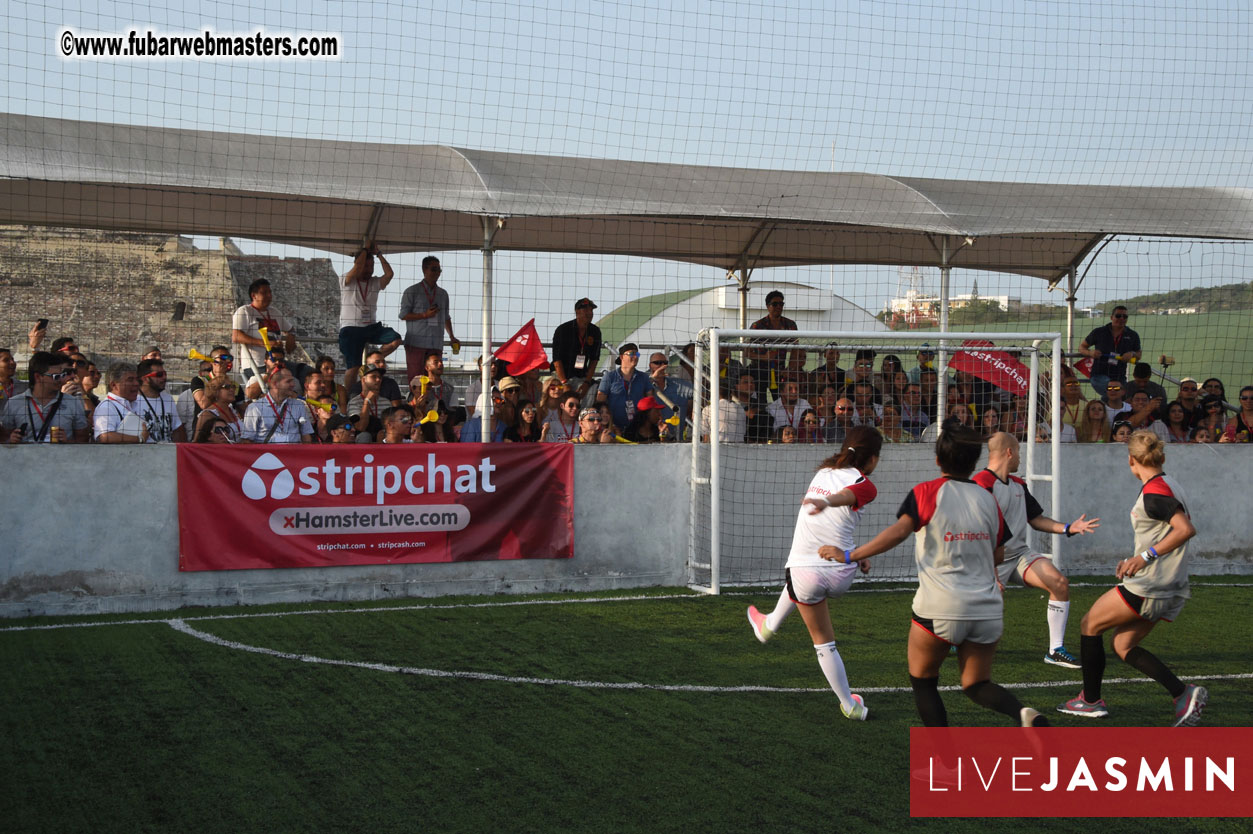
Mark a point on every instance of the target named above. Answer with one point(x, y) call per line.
point(93, 529)
point(96, 530)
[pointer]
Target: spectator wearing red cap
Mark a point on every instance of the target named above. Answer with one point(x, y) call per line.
point(646, 426)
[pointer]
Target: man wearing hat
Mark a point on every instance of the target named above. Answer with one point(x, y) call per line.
point(926, 359)
point(623, 387)
point(589, 426)
point(339, 429)
point(576, 349)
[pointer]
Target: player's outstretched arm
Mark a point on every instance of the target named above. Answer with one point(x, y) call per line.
point(1078, 527)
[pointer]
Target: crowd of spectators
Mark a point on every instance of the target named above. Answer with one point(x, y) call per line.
point(767, 395)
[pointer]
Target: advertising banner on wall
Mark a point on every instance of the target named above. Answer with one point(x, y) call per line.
point(300, 506)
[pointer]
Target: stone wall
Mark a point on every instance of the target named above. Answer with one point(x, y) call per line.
point(116, 293)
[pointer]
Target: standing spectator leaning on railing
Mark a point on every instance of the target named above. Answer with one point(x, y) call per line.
point(155, 405)
point(358, 311)
point(44, 413)
point(1111, 347)
point(115, 420)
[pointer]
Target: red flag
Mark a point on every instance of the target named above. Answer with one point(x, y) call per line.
point(1084, 366)
point(523, 351)
point(995, 366)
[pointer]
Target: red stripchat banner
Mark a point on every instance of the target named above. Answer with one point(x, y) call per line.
point(1081, 772)
point(301, 506)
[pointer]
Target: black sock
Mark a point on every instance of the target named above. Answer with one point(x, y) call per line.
point(1148, 663)
point(927, 699)
point(1092, 656)
point(992, 696)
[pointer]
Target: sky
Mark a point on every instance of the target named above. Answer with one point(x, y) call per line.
point(1111, 93)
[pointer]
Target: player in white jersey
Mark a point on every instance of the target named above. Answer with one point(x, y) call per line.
point(959, 540)
point(1035, 570)
point(824, 527)
point(1154, 587)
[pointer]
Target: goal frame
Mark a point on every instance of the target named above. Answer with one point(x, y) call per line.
point(945, 342)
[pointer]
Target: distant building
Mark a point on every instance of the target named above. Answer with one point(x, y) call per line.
point(117, 293)
point(918, 309)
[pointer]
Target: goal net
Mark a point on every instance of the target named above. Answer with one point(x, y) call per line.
point(774, 407)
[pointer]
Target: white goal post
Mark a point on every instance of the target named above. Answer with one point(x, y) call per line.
point(744, 497)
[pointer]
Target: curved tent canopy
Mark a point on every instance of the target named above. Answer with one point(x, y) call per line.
point(331, 194)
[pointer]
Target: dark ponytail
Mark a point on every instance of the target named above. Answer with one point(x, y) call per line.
point(861, 444)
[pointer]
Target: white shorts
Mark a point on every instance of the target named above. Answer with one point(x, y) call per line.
point(1010, 568)
point(810, 586)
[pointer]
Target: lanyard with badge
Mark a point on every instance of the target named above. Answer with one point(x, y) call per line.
point(152, 412)
point(45, 420)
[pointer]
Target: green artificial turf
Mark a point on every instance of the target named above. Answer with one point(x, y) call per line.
point(138, 727)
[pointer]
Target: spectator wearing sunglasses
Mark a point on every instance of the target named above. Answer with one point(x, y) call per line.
point(1240, 427)
point(589, 426)
point(223, 363)
point(769, 365)
point(674, 390)
point(155, 405)
point(1113, 400)
point(1111, 347)
point(624, 386)
point(44, 413)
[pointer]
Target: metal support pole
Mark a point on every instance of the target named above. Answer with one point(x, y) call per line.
point(941, 382)
point(697, 480)
point(743, 298)
point(491, 225)
point(1070, 310)
point(715, 447)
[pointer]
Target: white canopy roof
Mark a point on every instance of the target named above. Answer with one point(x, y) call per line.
point(330, 194)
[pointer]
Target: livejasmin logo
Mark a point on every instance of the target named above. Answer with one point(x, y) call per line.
point(379, 481)
point(1028, 773)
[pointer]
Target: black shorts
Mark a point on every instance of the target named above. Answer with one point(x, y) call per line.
point(1134, 601)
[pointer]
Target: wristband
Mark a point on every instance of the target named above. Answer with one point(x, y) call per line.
point(1149, 555)
point(1066, 530)
point(846, 555)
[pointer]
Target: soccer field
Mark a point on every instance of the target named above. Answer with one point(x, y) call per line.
point(615, 712)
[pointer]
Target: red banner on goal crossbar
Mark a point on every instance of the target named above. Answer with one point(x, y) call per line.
point(317, 506)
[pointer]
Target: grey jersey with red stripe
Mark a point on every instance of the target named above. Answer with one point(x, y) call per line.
point(957, 527)
point(1018, 506)
point(1167, 575)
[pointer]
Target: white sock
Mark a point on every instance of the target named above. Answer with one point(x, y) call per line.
point(781, 610)
point(1058, 613)
point(833, 667)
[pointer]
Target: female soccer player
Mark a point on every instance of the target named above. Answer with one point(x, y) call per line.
point(1154, 587)
point(960, 540)
point(829, 513)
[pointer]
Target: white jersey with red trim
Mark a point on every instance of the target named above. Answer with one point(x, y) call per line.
point(835, 525)
point(958, 526)
point(1018, 507)
point(1167, 576)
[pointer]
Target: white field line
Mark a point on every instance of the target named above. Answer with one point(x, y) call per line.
point(180, 625)
point(377, 609)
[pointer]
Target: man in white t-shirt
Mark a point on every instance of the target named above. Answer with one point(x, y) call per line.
point(358, 311)
point(789, 408)
point(115, 419)
point(280, 416)
point(246, 327)
point(155, 406)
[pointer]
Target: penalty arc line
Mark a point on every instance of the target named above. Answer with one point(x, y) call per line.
point(183, 627)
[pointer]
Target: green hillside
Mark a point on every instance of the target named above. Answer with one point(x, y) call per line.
point(1203, 344)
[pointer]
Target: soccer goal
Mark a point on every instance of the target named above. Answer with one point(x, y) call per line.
point(745, 496)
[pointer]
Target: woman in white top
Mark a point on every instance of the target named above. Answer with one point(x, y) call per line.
point(828, 518)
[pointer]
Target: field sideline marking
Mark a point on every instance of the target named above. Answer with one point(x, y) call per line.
point(458, 605)
point(182, 626)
